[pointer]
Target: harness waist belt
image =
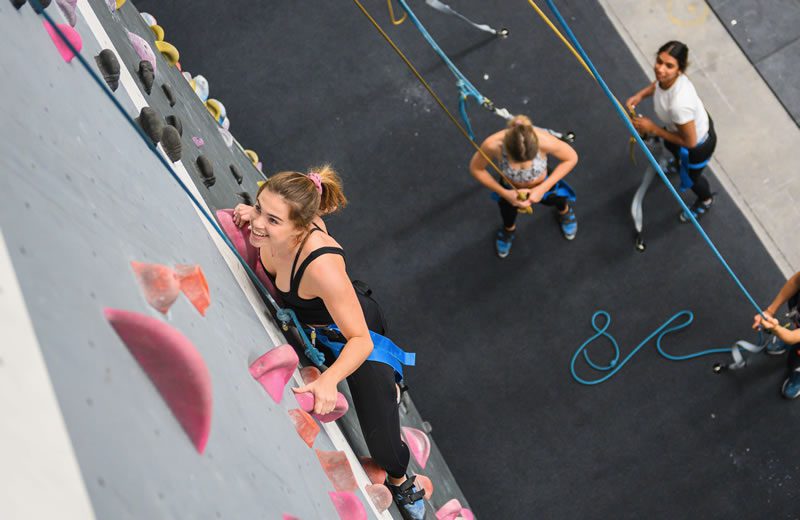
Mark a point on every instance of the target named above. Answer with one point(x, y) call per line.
point(384, 350)
point(685, 165)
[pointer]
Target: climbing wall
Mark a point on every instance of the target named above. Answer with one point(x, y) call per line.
point(150, 331)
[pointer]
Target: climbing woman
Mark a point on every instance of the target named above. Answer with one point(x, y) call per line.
point(521, 152)
point(689, 131)
point(307, 267)
point(787, 339)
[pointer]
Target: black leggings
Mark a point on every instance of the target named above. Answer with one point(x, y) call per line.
point(793, 362)
point(698, 154)
point(374, 393)
point(509, 212)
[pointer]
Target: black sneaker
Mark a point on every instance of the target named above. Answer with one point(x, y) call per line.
point(698, 209)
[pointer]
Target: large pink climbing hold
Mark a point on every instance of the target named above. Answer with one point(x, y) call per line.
point(375, 473)
point(160, 284)
point(453, 510)
point(418, 444)
point(274, 369)
point(307, 428)
point(142, 49)
point(194, 286)
point(174, 366)
point(239, 236)
point(338, 469)
point(306, 402)
point(380, 496)
point(289, 517)
point(426, 484)
point(348, 505)
point(70, 34)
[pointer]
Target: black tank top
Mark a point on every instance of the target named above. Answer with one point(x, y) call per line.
point(313, 311)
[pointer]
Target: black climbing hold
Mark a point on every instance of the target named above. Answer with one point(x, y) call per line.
point(108, 64)
point(152, 124)
point(17, 3)
point(147, 75)
point(206, 171)
point(171, 141)
point(246, 199)
point(169, 94)
point(40, 5)
point(236, 174)
point(176, 122)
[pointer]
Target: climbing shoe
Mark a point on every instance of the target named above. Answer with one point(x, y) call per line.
point(568, 223)
point(502, 243)
point(408, 498)
point(698, 209)
point(775, 347)
point(791, 387)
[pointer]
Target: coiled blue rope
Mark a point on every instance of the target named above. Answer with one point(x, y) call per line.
point(465, 88)
point(657, 168)
point(286, 316)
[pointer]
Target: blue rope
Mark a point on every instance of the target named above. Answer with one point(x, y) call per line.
point(465, 88)
point(281, 313)
point(665, 327)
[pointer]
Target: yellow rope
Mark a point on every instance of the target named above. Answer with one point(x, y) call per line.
point(391, 14)
point(425, 84)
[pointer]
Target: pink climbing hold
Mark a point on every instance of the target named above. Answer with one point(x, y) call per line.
point(70, 34)
point(174, 366)
point(375, 473)
point(198, 141)
point(306, 402)
point(426, 484)
point(289, 517)
point(67, 8)
point(452, 510)
point(418, 444)
point(338, 470)
point(380, 496)
point(305, 425)
point(194, 286)
point(142, 49)
point(274, 369)
point(309, 374)
point(348, 506)
point(160, 284)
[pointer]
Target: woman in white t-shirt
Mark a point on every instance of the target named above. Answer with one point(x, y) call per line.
point(689, 131)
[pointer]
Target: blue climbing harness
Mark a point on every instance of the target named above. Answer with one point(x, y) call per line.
point(384, 350)
point(561, 189)
point(685, 165)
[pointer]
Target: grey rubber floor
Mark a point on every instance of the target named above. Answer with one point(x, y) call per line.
point(311, 83)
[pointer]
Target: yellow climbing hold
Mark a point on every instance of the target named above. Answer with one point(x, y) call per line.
point(169, 52)
point(260, 183)
point(213, 108)
point(120, 3)
point(158, 31)
point(253, 156)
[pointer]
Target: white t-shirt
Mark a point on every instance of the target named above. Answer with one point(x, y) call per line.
point(680, 104)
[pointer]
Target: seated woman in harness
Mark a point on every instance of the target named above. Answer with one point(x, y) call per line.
point(308, 269)
point(788, 339)
point(521, 152)
point(689, 132)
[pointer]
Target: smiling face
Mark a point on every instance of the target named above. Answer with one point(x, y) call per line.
point(272, 226)
point(666, 69)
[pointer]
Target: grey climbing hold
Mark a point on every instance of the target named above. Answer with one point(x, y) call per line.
point(246, 199)
point(171, 141)
point(176, 122)
point(108, 64)
point(236, 174)
point(152, 124)
point(206, 171)
point(147, 75)
point(17, 3)
point(67, 8)
point(169, 94)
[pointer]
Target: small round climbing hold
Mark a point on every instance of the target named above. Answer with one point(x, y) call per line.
point(253, 156)
point(201, 87)
point(148, 18)
point(146, 75)
point(170, 95)
point(226, 136)
point(206, 171)
point(175, 121)
point(108, 64)
point(171, 141)
point(152, 124)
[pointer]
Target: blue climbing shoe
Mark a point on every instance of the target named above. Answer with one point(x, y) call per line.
point(775, 347)
point(408, 498)
point(568, 223)
point(502, 243)
point(698, 209)
point(791, 387)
